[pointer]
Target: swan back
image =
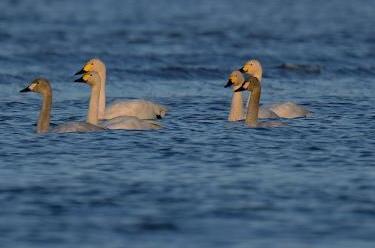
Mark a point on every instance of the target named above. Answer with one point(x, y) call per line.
point(142, 109)
point(289, 110)
point(130, 123)
point(76, 127)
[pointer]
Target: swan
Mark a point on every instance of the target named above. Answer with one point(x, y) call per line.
point(284, 110)
point(137, 108)
point(122, 122)
point(236, 112)
point(254, 86)
point(43, 87)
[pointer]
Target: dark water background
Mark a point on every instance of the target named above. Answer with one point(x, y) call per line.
point(201, 181)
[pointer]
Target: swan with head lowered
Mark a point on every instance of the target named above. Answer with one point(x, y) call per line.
point(43, 87)
point(122, 122)
point(236, 112)
point(254, 86)
point(138, 108)
point(253, 68)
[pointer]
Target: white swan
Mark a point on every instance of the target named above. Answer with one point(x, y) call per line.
point(121, 122)
point(236, 112)
point(138, 108)
point(43, 87)
point(254, 86)
point(284, 110)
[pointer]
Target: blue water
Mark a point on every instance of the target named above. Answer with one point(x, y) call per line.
point(200, 181)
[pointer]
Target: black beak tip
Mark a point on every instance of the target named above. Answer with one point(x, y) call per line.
point(80, 72)
point(25, 89)
point(241, 70)
point(79, 80)
point(229, 83)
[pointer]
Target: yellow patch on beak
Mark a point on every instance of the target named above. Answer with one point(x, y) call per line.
point(85, 77)
point(88, 67)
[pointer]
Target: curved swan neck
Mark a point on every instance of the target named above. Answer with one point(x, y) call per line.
point(45, 113)
point(92, 114)
point(236, 108)
point(102, 97)
point(253, 108)
point(258, 74)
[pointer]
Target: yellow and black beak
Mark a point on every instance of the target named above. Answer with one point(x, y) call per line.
point(80, 80)
point(241, 70)
point(27, 89)
point(229, 83)
point(82, 71)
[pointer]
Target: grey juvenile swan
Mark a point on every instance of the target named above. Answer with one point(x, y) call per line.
point(43, 87)
point(254, 86)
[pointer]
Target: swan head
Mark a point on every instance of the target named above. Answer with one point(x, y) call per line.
point(39, 85)
point(235, 79)
point(94, 64)
point(252, 67)
point(90, 78)
point(251, 84)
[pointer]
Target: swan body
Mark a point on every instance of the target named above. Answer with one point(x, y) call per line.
point(120, 122)
point(137, 108)
point(253, 68)
point(43, 87)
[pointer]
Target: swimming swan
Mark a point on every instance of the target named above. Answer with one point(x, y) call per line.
point(236, 112)
point(254, 86)
point(43, 87)
point(284, 110)
point(137, 108)
point(122, 122)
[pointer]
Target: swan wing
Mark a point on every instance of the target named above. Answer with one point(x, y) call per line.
point(266, 112)
point(138, 108)
point(289, 110)
point(130, 123)
point(72, 127)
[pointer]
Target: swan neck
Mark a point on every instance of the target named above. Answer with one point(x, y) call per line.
point(258, 75)
point(45, 113)
point(102, 96)
point(236, 108)
point(253, 108)
point(92, 114)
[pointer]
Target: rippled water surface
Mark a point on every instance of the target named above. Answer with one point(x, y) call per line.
point(200, 181)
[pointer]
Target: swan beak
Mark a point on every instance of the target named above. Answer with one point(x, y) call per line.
point(229, 83)
point(27, 89)
point(241, 70)
point(80, 80)
point(242, 88)
point(82, 71)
